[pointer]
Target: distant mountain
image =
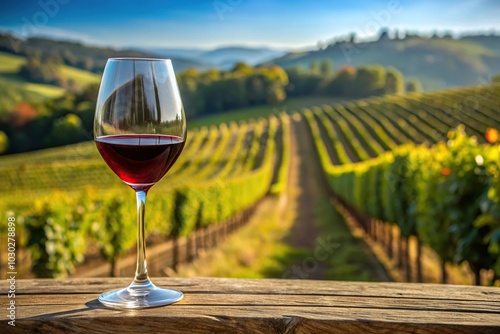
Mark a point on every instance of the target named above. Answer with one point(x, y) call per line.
point(76, 54)
point(438, 62)
point(228, 56)
point(188, 53)
point(224, 58)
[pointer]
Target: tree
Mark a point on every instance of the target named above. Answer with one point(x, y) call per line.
point(384, 35)
point(394, 82)
point(4, 142)
point(40, 72)
point(314, 67)
point(22, 113)
point(66, 130)
point(242, 68)
point(343, 83)
point(326, 67)
point(370, 80)
point(413, 86)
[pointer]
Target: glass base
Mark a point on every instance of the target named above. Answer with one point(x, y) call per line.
point(140, 295)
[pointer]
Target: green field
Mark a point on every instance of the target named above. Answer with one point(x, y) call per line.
point(10, 64)
point(290, 105)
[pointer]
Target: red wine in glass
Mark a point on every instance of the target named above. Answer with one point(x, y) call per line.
point(140, 160)
point(140, 131)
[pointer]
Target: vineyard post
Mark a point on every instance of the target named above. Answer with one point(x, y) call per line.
point(112, 271)
point(477, 275)
point(373, 228)
point(407, 259)
point(190, 245)
point(390, 240)
point(419, 261)
point(225, 230)
point(400, 250)
point(387, 233)
point(383, 233)
point(197, 242)
point(175, 252)
point(444, 273)
point(212, 236)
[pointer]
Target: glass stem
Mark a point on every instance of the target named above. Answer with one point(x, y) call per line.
point(141, 272)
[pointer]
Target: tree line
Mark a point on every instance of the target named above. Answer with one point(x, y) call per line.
point(27, 126)
point(348, 82)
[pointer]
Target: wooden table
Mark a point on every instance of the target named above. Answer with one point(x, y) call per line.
point(213, 305)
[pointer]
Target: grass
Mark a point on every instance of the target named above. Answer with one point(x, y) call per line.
point(82, 78)
point(290, 105)
point(9, 66)
point(261, 248)
point(350, 260)
point(252, 252)
point(10, 63)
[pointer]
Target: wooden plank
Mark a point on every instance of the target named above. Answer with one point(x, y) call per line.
point(222, 299)
point(267, 286)
point(214, 305)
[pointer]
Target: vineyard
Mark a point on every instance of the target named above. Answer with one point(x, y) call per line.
point(70, 202)
point(419, 162)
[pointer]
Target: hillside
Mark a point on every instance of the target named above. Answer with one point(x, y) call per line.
point(10, 64)
point(223, 57)
point(76, 54)
point(436, 62)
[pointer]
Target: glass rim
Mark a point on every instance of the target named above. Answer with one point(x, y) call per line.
point(139, 59)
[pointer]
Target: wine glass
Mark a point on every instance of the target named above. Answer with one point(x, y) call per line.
point(140, 131)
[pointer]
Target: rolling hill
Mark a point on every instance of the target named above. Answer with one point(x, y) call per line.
point(10, 64)
point(437, 62)
point(223, 57)
point(76, 54)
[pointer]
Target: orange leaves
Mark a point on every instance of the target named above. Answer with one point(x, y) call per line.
point(491, 135)
point(446, 171)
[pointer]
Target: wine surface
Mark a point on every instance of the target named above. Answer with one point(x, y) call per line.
point(140, 160)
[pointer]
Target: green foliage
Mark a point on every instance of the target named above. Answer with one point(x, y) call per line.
point(213, 91)
point(347, 82)
point(66, 130)
point(394, 82)
point(370, 80)
point(446, 195)
point(344, 82)
point(211, 189)
point(10, 95)
point(326, 67)
point(112, 232)
point(413, 86)
point(281, 180)
point(56, 239)
point(436, 62)
point(39, 71)
point(4, 142)
point(200, 204)
point(60, 121)
point(496, 79)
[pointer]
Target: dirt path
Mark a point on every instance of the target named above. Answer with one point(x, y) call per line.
point(304, 190)
point(299, 235)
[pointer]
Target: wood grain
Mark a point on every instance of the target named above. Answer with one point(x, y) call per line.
point(219, 305)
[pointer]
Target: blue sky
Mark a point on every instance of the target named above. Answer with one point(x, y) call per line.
point(210, 23)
